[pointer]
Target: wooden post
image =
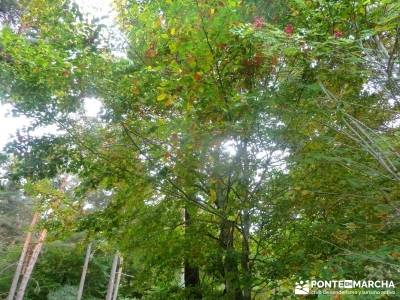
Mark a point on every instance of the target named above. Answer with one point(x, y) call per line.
point(31, 264)
point(29, 261)
point(111, 281)
point(84, 271)
point(21, 261)
point(118, 279)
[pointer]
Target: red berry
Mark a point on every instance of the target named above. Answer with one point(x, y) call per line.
point(289, 29)
point(258, 59)
point(247, 62)
point(197, 76)
point(338, 34)
point(258, 22)
point(222, 46)
point(150, 53)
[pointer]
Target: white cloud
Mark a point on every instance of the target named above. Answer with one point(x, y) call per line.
point(92, 107)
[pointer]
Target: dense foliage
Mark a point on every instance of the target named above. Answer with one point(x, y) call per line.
point(242, 145)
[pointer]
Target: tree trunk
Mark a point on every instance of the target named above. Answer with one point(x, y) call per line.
point(111, 281)
point(31, 265)
point(231, 272)
point(245, 261)
point(21, 261)
point(229, 261)
point(192, 277)
point(118, 279)
point(84, 271)
point(245, 255)
point(191, 273)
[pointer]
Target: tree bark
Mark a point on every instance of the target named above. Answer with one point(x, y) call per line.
point(231, 272)
point(31, 265)
point(245, 256)
point(229, 261)
point(192, 277)
point(84, 271)
point(118, 279)
point(191, 273)
point(245, 261)
point(21, 261)
point(111, 281)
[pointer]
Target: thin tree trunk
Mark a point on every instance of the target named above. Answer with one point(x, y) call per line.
point(231, 272)
point(245, 256)
point(245, 261)
point(21, 261)
point(111, 281)
point(229, 262)
point(28, 256)
point(182, 277)
point(84, 271)
point(192, 277)
point(31, 265)
point(191, 273)
point(118, 279)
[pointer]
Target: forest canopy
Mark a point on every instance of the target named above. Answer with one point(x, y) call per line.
point(241, 147)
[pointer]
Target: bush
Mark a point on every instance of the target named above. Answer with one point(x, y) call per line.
point(66, 292)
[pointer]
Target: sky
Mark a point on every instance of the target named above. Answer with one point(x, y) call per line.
point(10, 124)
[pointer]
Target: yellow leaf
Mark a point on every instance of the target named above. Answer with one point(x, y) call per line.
point(213, 195)
point(161, 97)
point(191, 61)
point(295, 13)
point(173, 47)
point(156, 24)
point(231, 218)
point(169, 102)
point(395, 255)
point(173, 31)
point(212, 11)
point(304, 193)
